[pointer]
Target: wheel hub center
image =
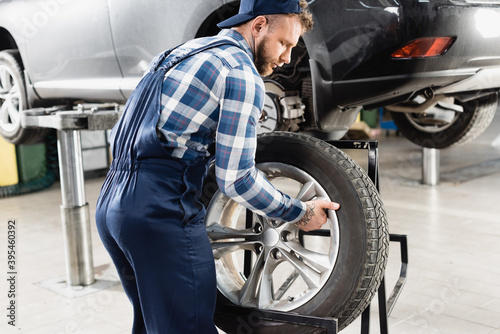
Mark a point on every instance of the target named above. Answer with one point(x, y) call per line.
point(270, 237)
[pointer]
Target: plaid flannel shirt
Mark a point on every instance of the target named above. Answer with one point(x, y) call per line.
point(218, 95)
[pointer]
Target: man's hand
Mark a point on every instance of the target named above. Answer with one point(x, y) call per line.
point(315, 215)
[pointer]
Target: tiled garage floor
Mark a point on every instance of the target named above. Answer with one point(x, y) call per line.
point(454, 250)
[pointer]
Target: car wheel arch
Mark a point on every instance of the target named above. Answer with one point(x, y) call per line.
point(209, 26)
point(7, 41)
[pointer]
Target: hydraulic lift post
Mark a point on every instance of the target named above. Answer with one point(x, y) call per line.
point(75, 214)
point(74, 210)
point(430, 166)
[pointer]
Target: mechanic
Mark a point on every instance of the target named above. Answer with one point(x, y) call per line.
point(207, 92)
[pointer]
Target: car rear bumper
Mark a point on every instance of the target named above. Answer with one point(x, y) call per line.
point(353, 52)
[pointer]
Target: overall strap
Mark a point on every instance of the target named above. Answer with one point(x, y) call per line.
point(174, 61)
point(134, 136)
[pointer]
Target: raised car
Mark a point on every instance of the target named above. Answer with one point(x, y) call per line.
point(435, 65)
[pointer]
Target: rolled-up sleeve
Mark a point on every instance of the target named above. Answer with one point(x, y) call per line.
point(236, 144)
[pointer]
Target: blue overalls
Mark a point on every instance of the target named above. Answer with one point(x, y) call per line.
point(151, 222)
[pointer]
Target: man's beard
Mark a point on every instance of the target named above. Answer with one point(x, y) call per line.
point(262, 59)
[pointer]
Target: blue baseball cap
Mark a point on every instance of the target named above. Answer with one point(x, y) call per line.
point(250, 9)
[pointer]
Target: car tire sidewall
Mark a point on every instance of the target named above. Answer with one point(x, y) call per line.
point(340, 296)
point(19, 135)
point(10, 59)
point(336, 175)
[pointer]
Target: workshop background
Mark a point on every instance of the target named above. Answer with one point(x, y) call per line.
point(452, 231)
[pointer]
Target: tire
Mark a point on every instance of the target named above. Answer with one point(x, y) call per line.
point(332, 272)
point(13, 100)
point(463, 128)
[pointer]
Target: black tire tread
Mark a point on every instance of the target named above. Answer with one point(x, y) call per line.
point(478, 124)
point(378, 236)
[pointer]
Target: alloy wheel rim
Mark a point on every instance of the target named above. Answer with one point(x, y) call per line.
point(10, 100)
point(286, 270)
point(435, 128)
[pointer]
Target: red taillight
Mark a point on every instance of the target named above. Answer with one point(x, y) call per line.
point(424, 47)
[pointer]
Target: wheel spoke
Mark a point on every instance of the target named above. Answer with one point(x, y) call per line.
point(264, 221)
point(320, 262)
point(221, 249)
point(259, 219)
point(247, 292)
point(4, 93)
point(310, 276)
point(4, 113)
point(14, 90)
point(219, 232)
point(13, 112)
point(265, 293)
point(5, 81)
point(307, 192)
point(286, 285)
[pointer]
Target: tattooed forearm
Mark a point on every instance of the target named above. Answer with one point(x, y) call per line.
point(307, 216)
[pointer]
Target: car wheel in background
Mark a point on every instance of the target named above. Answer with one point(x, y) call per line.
point(13, 100)
point(447, 124)
point(266, 264)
